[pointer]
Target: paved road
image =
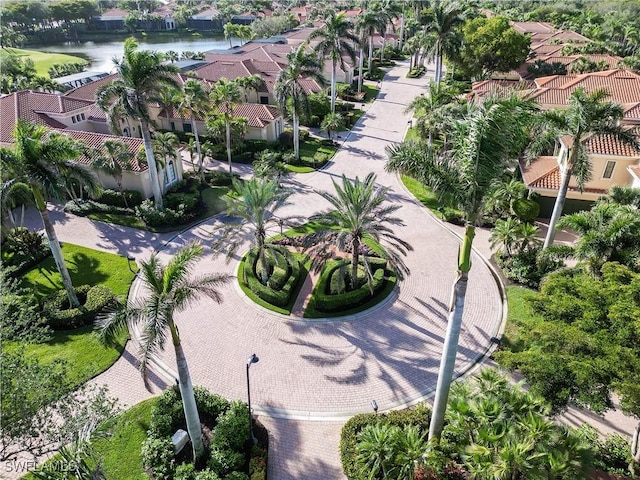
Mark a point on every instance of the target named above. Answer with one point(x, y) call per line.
point(313, 375)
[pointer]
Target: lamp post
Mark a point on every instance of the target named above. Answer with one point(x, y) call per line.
point(252, 359)
point(129, 260)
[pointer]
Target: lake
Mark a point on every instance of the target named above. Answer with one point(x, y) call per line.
point(101, 54)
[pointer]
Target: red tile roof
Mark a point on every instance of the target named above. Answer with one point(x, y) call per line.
point(544, 173)
point(533, 27)
point(608, 145)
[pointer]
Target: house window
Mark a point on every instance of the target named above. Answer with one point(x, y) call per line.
point(186, 127)
point(170, 173)
point(264, 100)
point(173, 126)
point(608, 170)
point(82, 116)
point(73, 119)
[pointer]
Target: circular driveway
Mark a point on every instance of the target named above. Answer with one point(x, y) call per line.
point(324, 369)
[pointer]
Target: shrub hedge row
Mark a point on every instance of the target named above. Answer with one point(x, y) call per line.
point(325, 301)
point(418, 416)
point(115, 199)
point(92, 301)
point(83, 208)
point(268, 293)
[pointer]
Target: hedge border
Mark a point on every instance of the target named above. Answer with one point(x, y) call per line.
point(59, 318)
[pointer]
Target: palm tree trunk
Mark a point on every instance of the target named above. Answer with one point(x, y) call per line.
point(194, 127)
point(333, 86)
point(635, 445)
point(354, 263)
point(188, 399)
point(360, 68)
point(402, 28)
point(558, 206)
point(450, 349)
point(384, 44)
point(228, 125)
point(370, 59)
point(296, 135)
point(56, 251)
point(438, 63)
point(153, 167)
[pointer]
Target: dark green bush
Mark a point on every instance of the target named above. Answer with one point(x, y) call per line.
point(304, 134)
point(255, 146)
point(153, 217)
point(278, 298)
point(188, 201)
point(218, 178)
point(224, 462)
point(285, 140)
point(115, 199)
point(25, 243)
point(22, 319)
point(327, 302)
point(525, 209)
point(258, 463)
point(85, 207)
point(529, 267)
point(245, 157)
point(92, 301)
point(418, 416)
point(157, 456)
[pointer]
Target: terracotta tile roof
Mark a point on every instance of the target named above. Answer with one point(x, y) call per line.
point(544, 173)
point(553, 81)
point(543, 50)
point(632, 111)
point(96, 140)
point(533, 27)
point(113, 13)
point(257, 115)
point(499, 87)
point(88, 91)
point(33, 107)
point(608, 145)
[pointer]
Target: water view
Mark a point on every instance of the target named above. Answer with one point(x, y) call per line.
point(101, 54)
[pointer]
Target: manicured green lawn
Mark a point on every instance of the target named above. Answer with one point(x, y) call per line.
point(119, 451)
point(44, 60)
point(519, 315)
point(79, 349)
point(311, 146)
point(428, 198)
point(212, 196)
point(117, 219)
point(86, 267)
point(412, 134)
point(299, 168)
point(370, 92)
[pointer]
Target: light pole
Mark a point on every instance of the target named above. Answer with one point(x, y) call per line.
point(129, 260)
point(252, 359)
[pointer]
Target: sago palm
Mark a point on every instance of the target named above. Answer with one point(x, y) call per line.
point(142, 76)
point(290, 94)
point(358, 216)
point(171, 289)
point(483, 145)
point(38, 158)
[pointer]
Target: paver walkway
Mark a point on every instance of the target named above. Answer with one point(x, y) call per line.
point(313, 375)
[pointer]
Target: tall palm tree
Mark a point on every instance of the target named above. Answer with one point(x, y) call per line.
point(387, 11)
point(142, 76)
point(289, 92)
point(165, 148)
point(358, 216)
point(113, 160)
point(171, 289)
point(336, 40)
point(255, 204)
point(587, 114)
point(429, 108)
point(194, 103)
point(483, 146)
point(225, 95)
point(446, 17)
point(37, 159)
point(367, 25)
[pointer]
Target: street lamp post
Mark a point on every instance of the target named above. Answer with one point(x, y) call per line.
point(252, 359)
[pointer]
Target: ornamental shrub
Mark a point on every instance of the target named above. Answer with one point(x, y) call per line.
point(525, 209)
point(232, 429)
point(85, 207)
point(153, 217)
point(157, 455)
point(92, 301)
point(286, 281)
point(114, 198)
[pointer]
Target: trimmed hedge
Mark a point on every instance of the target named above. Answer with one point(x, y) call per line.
point(83, 208)
point(419, 416)
point(92, 299)
point(115, 199)
point(286, 280)
point(325, 301)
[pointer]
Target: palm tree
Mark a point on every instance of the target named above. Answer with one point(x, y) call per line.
point(230, 30)
point(171, 289)
point(387, 11)
point(446, 17)
point(225, 95)
point(251, 82)
point(336, 40)
point(13, 194)
point(332, 122)
point(38, 159)
point(114, 160)
point(165, 148)
point(429, 108)
point(300, 65)
point(194, 102)
point(505, 233)
point(483, 146)
point(623, 195)
point(367, 25)
point(255, 204)
point(142, 76)
point(359, 217)
point(609, 232)
point(587, 114)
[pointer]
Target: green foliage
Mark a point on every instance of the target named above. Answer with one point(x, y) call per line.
point(92, 301)
point(258, 463)
point(114, 198)
point(612, 454)
point(585, 345)
point(84, 208)
point(287, 278)
point(416, 72)
point(157, 455)
point(63, 69)
point(21, 315)
point(218, 178)
point(162, 218)
point(528, 267)
point(525, 209)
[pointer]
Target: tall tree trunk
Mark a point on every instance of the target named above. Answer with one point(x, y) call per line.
point(370, 59)
point(333, 86)
point(384, 44)
point(151, 162)
point(438, 63)
point(194, 127)
point(558, 206)
point(296, 135)
point(188, 399)
point(354, 263)
point(54, 245)
point(402, 29)
point(360, 68)
point(450, 348)
point(228, 137)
